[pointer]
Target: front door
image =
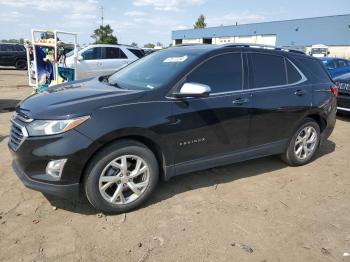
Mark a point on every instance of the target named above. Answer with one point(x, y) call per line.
point(218, 124)
point(90, 65)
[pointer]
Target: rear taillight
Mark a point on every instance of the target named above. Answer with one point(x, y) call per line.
point(335, 90)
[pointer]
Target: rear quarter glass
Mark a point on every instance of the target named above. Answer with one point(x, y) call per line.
point(313, 69)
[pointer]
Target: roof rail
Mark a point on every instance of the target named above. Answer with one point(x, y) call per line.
point(271, 47)
point(190, 44)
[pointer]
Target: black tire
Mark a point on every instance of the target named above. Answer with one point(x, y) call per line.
point(290, 157)
point(102, 159)
point(21, 64)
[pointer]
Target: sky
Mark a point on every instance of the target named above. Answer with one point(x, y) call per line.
point(145, 21)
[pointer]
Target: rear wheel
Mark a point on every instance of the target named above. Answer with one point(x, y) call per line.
point(121, 177)
point(304, 144)
point(21, 64)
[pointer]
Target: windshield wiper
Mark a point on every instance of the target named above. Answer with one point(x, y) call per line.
point(106, 80)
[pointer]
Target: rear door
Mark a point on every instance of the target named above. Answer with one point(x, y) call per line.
point(280, 96)
point(113, 59)
point(218, 124)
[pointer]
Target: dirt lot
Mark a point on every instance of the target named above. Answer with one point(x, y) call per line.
point(260, 210)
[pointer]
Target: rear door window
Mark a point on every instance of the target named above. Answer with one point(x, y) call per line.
point(94, 53)
point(7, 48)
point(19, 48)
point(114, 53)
point(268, 70)
point(222, 73)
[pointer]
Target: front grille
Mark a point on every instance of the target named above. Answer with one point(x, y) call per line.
point(18, 133)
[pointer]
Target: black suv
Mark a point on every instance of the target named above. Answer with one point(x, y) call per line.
point(13, 55)
point(175, 111)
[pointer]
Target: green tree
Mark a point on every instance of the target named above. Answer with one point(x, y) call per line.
point(200, 23)
point(104, 35)
point(12, 41)
point(149, 45)
point(134, 44)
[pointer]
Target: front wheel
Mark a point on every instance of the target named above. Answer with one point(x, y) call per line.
point(121, 177)
point(303, 145)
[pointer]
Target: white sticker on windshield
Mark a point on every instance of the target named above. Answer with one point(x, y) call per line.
point(178, 59)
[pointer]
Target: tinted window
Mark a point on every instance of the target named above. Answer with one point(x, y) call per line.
point(114, 53)
point(92, 53)
point(268, 70)
point(293, 75)
point(329, 64)
point(222, 73)
point(19, 48)
point(342, 63)
point(8, 48)
point(137, 52)
point(314, 68)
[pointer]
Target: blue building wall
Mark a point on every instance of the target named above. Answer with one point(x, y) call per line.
point(328, 30)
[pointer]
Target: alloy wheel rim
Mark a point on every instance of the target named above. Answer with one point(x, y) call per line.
point(305, 143)
point(124, 179)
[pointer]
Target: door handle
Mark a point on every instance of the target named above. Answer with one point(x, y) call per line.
point(300, 92)
point(240, 101)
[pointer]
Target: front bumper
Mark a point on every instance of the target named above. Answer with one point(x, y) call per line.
point(31, 156)
point(71, 191)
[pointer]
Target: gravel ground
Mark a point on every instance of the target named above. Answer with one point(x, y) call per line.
point(259, 210)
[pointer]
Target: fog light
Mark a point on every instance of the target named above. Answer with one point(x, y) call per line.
point(55, 167)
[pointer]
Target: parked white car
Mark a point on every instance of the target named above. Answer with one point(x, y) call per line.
point(97, 60)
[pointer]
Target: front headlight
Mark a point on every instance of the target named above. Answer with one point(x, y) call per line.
point(53, 127)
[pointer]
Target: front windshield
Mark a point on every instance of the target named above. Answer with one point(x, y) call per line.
point(152, 71)
point(70, 53)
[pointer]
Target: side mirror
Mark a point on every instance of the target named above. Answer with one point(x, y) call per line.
point(80, 58)
point(193, 90)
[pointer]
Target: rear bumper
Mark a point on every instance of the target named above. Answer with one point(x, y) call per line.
point(343, 101)
point(71, 191)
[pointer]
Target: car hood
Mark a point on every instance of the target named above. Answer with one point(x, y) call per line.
point(76, 98)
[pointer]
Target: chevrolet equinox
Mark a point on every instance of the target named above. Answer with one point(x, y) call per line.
point(180, 110)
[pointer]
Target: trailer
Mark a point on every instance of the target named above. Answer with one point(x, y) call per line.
point(46, 58)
